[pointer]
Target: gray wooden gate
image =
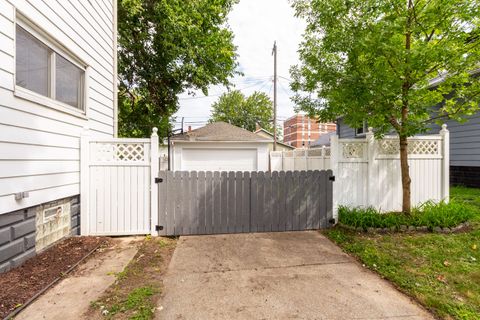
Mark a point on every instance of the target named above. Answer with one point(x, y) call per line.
point(235, 202)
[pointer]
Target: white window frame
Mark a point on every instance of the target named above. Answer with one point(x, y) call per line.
point(364, 128)
point(56, 48)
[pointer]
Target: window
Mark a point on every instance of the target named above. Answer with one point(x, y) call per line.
point(362, 130)
point(44, 70)
point(32, 63)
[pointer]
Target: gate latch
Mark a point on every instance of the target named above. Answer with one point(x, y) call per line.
point(158, 228)
point(158, 180)
point(331, 178)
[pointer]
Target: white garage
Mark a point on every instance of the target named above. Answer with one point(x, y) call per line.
point(219, 147)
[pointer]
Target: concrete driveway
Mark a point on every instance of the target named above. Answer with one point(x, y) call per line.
point(290, 275)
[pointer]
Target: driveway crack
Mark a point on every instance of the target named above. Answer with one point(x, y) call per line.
point(274, 267)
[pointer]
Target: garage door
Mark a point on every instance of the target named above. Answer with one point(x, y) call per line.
point(224, 159)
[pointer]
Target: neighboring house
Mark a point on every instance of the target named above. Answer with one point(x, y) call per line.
point(57, 77)
point(464, 144)
point(280, 145)
point(300, 130)
point(324, 140)
point(219, 146)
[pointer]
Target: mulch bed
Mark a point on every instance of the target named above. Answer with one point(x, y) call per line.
point(20, 284)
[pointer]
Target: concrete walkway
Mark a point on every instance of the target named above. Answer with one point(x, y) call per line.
point(71, 297)
point(291, 275)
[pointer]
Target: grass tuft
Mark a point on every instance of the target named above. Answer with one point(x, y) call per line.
point(429, 214)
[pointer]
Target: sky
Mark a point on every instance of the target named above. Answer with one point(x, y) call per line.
point(256, 25)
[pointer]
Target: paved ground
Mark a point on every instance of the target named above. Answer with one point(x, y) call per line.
point(292, 275)
point(70, 298)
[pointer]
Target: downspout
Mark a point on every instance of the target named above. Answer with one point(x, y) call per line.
point(115, 70)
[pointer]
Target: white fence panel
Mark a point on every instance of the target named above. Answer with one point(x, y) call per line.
point(116, 198)
point(300, 160)
point(368, 171)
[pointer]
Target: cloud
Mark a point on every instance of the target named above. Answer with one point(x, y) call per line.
point(256, 25)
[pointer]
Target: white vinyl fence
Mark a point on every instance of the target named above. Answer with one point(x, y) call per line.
point(119, 195)
point(300, 159)
point(118, 190)
point(368, 170)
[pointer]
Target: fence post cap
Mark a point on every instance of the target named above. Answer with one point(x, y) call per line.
point(154, 132)
point(444, 128)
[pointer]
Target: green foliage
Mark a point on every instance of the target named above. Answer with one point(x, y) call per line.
point(167, 48)
point(244, 112)
point(429, 214)
point(374, 59)
point(442, 271)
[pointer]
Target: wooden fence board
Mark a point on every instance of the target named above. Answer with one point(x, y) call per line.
point(234, 202)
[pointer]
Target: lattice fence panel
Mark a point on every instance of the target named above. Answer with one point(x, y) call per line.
point(415, 147)
point(299, 153)
point(120, 152)
point(314, 152)
point(353, 150)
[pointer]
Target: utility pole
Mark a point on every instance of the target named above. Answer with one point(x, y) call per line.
point(274, 53)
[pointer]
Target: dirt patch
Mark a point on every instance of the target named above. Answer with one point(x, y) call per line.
point(139, 286)
point(20, 284)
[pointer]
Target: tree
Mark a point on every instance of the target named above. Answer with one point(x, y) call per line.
point(245, 112)
point(167, 48)
point(375, 59)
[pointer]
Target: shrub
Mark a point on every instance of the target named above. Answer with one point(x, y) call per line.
point(429, 214)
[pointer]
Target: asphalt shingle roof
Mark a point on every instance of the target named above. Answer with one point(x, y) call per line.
point(219, 131)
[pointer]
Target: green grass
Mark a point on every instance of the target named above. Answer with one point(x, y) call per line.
point(137, 301)
point(429, 214)
point(442, 271)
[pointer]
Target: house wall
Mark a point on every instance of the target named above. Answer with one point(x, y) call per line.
point(18, 233)
point(39, 145)
point(344, 131)
point(40, 138)
point(262, 154)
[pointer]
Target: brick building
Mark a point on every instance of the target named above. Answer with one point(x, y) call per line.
point(300, 131)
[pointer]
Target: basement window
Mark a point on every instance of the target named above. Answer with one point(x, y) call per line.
point(52, 213)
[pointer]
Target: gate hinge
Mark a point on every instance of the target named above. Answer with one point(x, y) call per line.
point(331, 178)
point(158, 180)
point(158, 228)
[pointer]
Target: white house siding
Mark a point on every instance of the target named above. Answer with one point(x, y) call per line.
point(39, 145)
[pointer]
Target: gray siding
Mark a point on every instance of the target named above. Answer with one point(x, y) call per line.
point(17, 238)
point(75, 212)
point(344, 131)
point(18, 234)
point(464, 141)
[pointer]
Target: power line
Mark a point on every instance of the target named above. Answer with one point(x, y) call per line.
point(218, 95)
point(285, 78)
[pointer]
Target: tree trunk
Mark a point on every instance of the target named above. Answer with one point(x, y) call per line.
point(406, 181)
